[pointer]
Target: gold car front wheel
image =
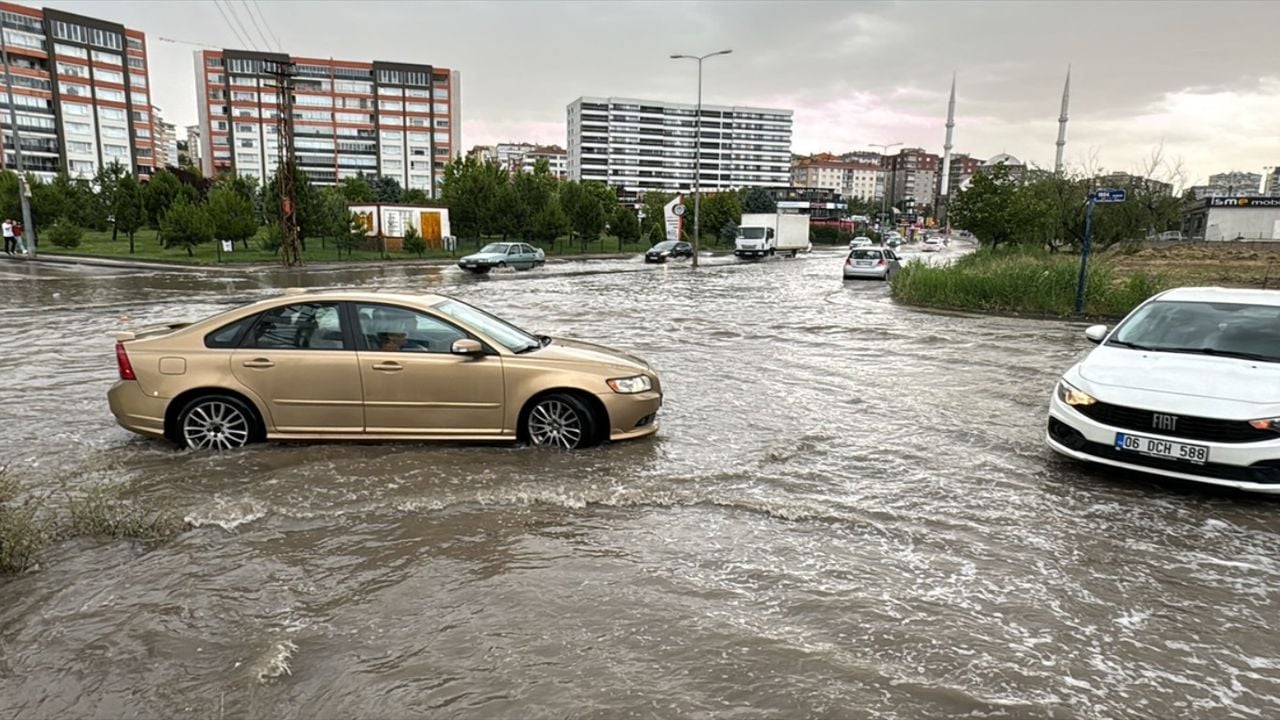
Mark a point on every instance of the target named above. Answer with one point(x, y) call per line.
point(215, 423)
point(560, 421)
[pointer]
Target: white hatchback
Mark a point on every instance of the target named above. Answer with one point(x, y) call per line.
point(1187, 386)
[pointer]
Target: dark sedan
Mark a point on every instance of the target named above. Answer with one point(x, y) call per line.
point(668, 249)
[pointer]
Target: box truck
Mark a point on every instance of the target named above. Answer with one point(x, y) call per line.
point(763, 234)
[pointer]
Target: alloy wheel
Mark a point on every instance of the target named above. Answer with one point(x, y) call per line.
point(215, 425)
point(553, 422)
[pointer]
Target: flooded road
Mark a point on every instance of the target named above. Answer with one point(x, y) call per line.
point(847, 513)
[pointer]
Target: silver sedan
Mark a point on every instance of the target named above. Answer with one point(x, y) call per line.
point(875, 263)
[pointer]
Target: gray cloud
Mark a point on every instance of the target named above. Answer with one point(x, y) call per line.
point(522, 62)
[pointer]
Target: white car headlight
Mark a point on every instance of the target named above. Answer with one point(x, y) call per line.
point(631, 385)
point(1073, 396)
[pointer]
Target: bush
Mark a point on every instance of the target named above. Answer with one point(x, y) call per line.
point(413, 241)
point(824, 235)
point(270, 238)
point(64, 233)
point(1022, 281)
point(22, 533)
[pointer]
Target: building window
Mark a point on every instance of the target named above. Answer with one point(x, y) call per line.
point(247, 159)
point(352, 87)
point(440, 108)
point(139, 116)
point(107, 58)
point(417, 107)
point(73, 90)
point(142, 133)
point(244, 96)
point(109, 94)
point(392, 164)
point(74, 109)
point(73, 70)
point(391, 119)
point(390, 105)
point(115, 151)
point(313, 100)
point(442, 123)
point(110, 76)
point(138, 98)
point(113, 132)
point(392, 150)
point(135, 44)
point(82, 167)
point(78, 128)
point(137, 80)
point(81, 148)
point(442, 137)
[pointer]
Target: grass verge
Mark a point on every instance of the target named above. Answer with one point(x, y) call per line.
point(30, 521)
point(1024, 281)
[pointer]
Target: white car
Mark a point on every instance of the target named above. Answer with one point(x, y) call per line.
point(933, 244)
point(860, 242)
point(1187, 386)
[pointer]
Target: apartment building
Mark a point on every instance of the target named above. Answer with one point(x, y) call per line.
point(557, 159)
point(640, 145)
point(912, 177)
point(349, 117)
point(850, 179)
point(1231, 184)
point(963, 168)
point(79, 87)
point(193, 144)
point(166, 140)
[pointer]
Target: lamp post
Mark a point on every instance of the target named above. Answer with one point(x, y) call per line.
point(884, 196)
point(697, 149)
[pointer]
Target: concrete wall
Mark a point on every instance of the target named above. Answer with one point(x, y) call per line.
point(1262, 223)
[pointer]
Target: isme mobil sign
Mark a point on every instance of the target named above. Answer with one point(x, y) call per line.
point(1244, 202)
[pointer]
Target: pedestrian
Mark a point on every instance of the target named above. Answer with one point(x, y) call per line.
point(18, 240)
point(9, 244)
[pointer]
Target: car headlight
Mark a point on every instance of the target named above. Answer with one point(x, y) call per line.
point(1266, 424)
point(631, 385)
point(1073, 396)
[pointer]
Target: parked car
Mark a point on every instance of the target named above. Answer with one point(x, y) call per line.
point(520, 256)
point(667, 250)
point(860, 241)
point(345, 365)
point(932, 244)
point(1187, 386)
point(876, 263)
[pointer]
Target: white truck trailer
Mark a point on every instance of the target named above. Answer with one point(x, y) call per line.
point(761, 235)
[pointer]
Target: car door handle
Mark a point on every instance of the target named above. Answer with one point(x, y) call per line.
point(259, 363)
point(389, 366)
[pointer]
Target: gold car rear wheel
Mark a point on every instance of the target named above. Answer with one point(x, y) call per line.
point(562, 421)
point(216, 422)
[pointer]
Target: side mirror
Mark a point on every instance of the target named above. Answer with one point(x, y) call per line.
point(467, 347)
point(1096, 333)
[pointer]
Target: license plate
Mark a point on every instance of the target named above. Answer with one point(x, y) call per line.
point(1168, 449)
point(862, 263)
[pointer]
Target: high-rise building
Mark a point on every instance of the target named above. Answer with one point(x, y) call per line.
point(641, 145)
point(193, 145)
point(349, 117)
point(963, 167)
point(79, 87)
point(481, 153)
point(556, 157)
point(508, 155)
point(166, 140)
point(912, 176)
point(848, 178)
point(1230, 184)
point(1271, 186)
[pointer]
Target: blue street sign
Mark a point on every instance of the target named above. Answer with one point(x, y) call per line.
point(1109, 195)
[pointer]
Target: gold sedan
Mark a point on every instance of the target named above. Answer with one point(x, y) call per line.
point(375, 366)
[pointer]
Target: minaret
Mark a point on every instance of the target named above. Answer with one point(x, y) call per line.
point(1062, 123)
point(944, 194)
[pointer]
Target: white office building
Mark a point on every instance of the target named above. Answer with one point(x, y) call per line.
point(640, 145)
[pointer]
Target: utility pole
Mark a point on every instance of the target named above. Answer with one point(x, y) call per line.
point(884, 196)
point(24, 192)
point(697, 150)
point(290, 252)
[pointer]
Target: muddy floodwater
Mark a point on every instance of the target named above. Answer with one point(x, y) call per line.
point(848, 512)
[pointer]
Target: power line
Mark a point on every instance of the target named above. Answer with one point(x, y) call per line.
point(257, 6)
point(250, 44)
point(239, 37)
point(256, 26)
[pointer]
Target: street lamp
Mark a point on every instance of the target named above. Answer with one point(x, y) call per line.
point(697, 149)
point(884, 196)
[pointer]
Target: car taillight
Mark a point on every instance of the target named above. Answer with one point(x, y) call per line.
point(122, 362)
point(882, 261)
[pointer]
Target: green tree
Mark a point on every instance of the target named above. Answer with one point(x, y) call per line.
point(625, 225)
point(386, 189)
point(512, 216)
point(534, 191)
point(186, 224)
point(127, 208)
point(758, 200)
point(470, 191)
point(357, 189)
point(107, 181)
point(159, 193)
point(310, 210)
point(413, 241)
point(10, 205)
point(353, 238)
point(991, 208)
point(64, 233)
point(415, 196)
point(231, 215)
point(549, 223)
point(718, 210)
point(582, 205)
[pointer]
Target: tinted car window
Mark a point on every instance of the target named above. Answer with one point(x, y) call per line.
point(387, 328)
point(228, 336)
point(865, 255)
point(665, 245)
point(304, 326)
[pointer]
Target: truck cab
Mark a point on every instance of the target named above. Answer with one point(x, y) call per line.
point(753, 241)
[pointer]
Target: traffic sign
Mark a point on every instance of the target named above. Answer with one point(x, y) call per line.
point(678, 209)
point(1109, 195)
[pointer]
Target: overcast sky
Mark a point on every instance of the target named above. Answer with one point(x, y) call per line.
point(1203, 78)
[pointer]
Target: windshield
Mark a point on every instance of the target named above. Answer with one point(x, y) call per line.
point(865, 255)
point(665, 245)
point(501, 331)
point(751, 233)
point(494, 248)
point(1229, 329)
